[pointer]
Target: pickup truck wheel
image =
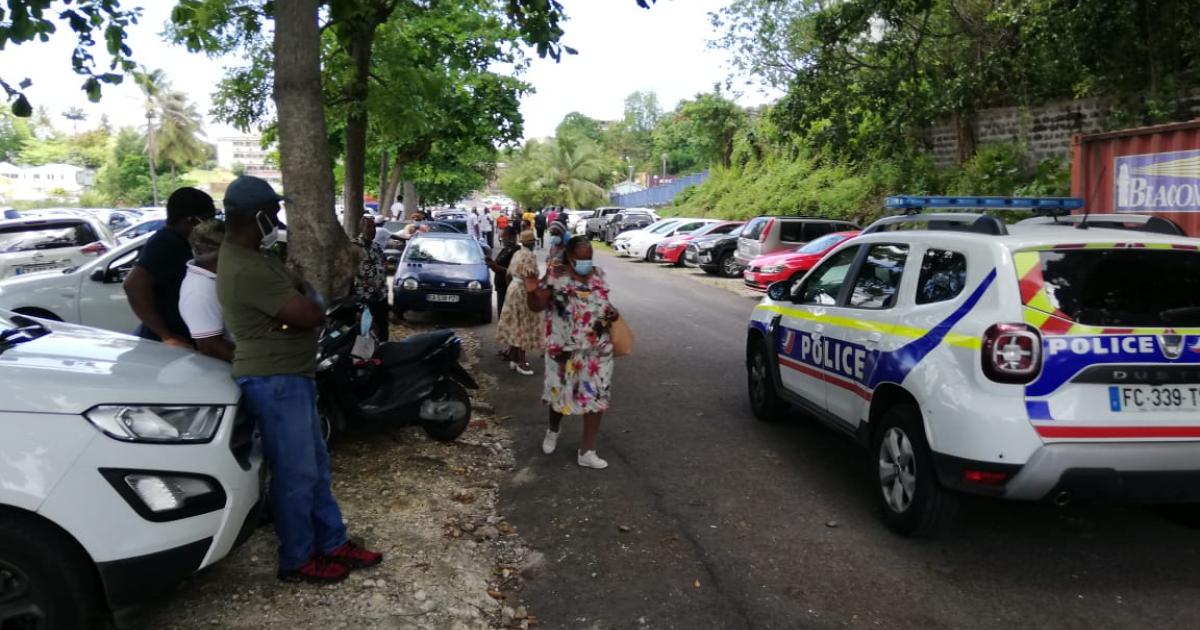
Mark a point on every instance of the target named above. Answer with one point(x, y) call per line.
point(729, 266)
point(912, 500)
point(764, 400)
point(45, 581)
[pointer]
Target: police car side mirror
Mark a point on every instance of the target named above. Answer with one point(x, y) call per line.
point(98, 275)
point(779, 291)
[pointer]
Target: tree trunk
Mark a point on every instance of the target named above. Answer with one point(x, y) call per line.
point(317, 248)
point(964, 128)
point(392, 188)
point(383, 179)
point(410, 197)
point(361, 40)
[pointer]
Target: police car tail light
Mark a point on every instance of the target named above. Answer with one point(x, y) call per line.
point(1012, 353)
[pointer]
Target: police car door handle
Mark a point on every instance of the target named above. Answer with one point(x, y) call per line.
point(874, 338)
point(819, 328)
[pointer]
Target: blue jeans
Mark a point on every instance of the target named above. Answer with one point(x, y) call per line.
point(307, 519)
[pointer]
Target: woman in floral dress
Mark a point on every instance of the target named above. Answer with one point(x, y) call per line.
point(520, 328)
point(579, 349)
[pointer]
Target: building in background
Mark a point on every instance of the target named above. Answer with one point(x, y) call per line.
point(246, 153)
point(48, 181)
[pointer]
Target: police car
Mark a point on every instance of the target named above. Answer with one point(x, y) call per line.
point(1046, 360)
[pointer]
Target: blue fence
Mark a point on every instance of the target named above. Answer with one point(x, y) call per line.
point(659, 195)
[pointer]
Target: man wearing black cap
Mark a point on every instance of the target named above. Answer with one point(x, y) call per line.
point(275, 318)
point(152, 287)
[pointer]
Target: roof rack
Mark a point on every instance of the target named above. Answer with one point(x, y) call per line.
point(954, 222)
point(1132, 222)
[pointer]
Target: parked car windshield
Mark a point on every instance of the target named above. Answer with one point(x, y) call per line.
point(662, 226)
point(24, 238)
point(820, 245)
point(1125, 287)
point(450, 251)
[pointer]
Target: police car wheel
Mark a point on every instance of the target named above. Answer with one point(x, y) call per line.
point(764, 400)
point(910, 497)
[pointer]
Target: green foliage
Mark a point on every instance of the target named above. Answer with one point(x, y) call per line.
point(26, 20)
point(699, 133)
point(1004, 169)
point(566, 172)
point(125, 178)
point(15, 134)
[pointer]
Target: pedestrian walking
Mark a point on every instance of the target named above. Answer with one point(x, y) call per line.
point(275, 318)
point(473, 223)
point(370, 280)
point(552, 216)
point(485, 226)
point(152, 286)
point(539, 223)
point(499, 266)
point(579, 351)
point(502, 222)
point(198, 303)
point(521, 329)
point(557, 238)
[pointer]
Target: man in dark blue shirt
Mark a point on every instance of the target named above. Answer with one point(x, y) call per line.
point(153, 285)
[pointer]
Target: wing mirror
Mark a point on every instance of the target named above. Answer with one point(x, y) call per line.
point(98, 275)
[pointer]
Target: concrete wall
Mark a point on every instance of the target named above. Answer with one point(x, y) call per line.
point(1046, 130)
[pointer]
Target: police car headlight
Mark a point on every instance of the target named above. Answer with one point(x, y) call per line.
point(409, 284)
point(155, 423)
point(772, 269)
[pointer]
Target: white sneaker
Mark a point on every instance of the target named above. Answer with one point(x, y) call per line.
point(523, 369)
point(591, 460)
point(550, 442)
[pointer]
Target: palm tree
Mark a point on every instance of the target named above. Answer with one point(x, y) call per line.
point(75, 115)
point(177, 137)
point(153, 84)
point(571, 170)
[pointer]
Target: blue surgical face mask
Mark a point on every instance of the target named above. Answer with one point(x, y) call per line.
point(555, 239)
point(583, 267)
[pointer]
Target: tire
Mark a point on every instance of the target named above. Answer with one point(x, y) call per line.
point(46, 581)
point(729, 266)
point(449, 431)
point(650, 253)
point(333, 422)
point(911, 498)
point(765, 402)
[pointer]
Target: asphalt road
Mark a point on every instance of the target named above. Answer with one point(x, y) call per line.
point(734, 523)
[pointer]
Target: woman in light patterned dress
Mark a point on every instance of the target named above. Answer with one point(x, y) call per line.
point(520, 328)
point(579, 349)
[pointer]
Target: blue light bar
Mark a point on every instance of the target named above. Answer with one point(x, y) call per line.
point(910, 202)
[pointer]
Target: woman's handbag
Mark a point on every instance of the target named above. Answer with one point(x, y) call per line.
point(622, 337)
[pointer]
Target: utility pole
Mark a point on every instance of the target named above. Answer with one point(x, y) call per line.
point(664, 171)
point(151, 151)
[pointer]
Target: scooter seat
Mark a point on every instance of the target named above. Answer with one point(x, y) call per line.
point(411, 349)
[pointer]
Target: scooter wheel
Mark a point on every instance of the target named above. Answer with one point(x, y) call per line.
point(449, 430)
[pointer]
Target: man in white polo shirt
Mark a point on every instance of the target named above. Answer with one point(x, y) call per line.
point(198, 303)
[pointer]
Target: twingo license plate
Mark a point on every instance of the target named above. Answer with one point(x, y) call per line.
point(1154, 398)
point(439, 297)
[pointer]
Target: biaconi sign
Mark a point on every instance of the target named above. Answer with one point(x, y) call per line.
point(1158, 182)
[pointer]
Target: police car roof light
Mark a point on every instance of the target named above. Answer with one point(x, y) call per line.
point(1049, 206)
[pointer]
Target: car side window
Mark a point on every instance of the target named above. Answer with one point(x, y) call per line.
point(817, 229)
point(754, 228)
point(824, 284)
point(943, 276)
point(792, 231)
point(878, 279)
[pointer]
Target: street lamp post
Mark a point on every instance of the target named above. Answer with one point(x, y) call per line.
point(664, 171)
point(150, 150)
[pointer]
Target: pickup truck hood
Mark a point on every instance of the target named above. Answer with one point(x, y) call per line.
point(75, 368)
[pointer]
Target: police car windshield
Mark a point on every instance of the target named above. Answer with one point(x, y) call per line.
point(1124, 287)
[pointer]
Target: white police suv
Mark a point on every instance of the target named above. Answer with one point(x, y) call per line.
point(1054, 359)
point(125, 466)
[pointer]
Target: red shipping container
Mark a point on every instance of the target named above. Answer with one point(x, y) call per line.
point(1146, 170)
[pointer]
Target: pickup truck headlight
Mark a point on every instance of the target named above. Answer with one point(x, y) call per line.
point(772, 269)
point(169, 424)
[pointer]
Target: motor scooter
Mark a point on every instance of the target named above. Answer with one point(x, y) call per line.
point(361, 382)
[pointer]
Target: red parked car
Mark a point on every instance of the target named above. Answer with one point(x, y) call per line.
point(671, 250)
point(793, 264)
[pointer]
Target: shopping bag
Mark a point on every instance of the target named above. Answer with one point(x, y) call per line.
point(622, 338)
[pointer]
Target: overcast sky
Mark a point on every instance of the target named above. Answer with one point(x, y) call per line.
point(622, 48)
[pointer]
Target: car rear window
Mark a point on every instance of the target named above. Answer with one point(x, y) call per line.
point(33, 237)
point(1121, 287)
point(754, 228)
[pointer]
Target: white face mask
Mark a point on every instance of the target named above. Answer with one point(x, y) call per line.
point(270, 235)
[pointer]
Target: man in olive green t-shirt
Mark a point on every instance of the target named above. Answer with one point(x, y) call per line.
point(275, 319)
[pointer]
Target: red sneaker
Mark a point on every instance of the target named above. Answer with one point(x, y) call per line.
point(352, 556)
point(320, 570)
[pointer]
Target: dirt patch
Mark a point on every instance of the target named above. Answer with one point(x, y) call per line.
point(450, 560)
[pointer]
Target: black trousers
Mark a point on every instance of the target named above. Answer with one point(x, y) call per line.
point(488, 236)
point(501, 290)
point(379, 318)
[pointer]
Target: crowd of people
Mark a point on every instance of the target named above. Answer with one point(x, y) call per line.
point(213, 287)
